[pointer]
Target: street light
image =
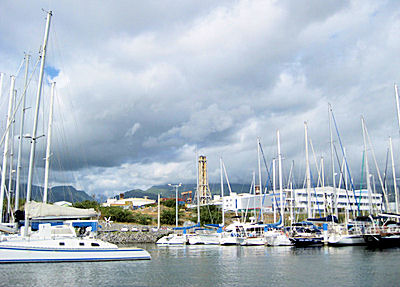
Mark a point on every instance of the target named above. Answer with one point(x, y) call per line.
point(176, 203)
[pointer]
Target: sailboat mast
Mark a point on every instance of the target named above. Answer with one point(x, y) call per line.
point(274, 187)
point(46, 171)
point(11, 165)
point(397, 104)
point(197, 189)
point(259, 178)
point(35, 122)
point(281, 203)
point(367, 167)
point(308, 175)
point(5, 152)
point(396, 196)
point(222, 192)
point(291, 193)
point(21, 132)
point(334, 194)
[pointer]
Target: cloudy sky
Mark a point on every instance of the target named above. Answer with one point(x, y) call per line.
point(144, 85)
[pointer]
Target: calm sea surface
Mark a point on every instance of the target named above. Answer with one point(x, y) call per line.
point(221, 266)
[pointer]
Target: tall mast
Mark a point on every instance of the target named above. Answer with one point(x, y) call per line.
point(291, 193)
point(11, 165)
point(21, 132)
point(367, 167)
point(281, 203)
point(377, 171)
point(323, 185)
point(274, 187)
point(197, 190)
point(259, 178)
point(254, 192)
point(396, 196)
point(308, 175)
point(35, 122)
point(397, 104)
point(1, 93)
point(46, 170)
point(222, 192)
point(5, 152)
point(334, 194)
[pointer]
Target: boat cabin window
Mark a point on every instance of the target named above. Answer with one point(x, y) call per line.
point(62, 243)
point(95, 244)
point(81, 244)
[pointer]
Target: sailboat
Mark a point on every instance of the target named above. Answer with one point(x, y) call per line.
point(56, 242)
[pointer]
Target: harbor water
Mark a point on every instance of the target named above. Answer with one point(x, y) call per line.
point(221, 266)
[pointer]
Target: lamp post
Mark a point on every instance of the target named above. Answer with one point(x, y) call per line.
point(176, 203)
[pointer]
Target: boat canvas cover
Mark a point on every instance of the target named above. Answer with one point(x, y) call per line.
point(45, 210)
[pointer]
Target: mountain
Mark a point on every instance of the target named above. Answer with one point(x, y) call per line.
point(169, 191)
point(215, 188)
point(56, 193)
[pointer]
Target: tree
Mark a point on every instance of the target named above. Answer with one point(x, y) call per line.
point(87, 204)
point(209, 214)
point(168, 216)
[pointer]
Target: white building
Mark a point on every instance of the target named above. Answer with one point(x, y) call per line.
point(132, 203)
point(242, 201)
point(321, 199)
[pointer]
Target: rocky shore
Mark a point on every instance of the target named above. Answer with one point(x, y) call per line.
point(122, 234)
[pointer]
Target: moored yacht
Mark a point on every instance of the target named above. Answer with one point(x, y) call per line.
point(61, 244)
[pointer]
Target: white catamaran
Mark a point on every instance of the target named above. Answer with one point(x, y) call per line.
point(55, 239)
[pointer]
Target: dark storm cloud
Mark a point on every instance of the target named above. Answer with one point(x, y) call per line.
point(142, 86)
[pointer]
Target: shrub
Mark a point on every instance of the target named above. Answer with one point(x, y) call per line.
point(87, 204)
point(209, 214)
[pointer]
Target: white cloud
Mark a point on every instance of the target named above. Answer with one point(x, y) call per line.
point(139, 89)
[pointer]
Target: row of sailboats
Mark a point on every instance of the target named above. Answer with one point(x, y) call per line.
point(52, 236)
point(348, 201)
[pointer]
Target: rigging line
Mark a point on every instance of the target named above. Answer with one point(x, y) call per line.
point(17, 106)
point(265, 162)
point(377, 170)
point(265, 193)
point(342, 178)
point(385, 174)
point(316, 196)
point(248, 201)
point(362, 174)
point(20, 67)
point(347, 166)
point(316, 163)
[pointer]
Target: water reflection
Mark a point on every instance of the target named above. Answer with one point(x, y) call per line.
point(210, 265)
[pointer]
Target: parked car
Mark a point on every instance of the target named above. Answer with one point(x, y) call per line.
point(134, 229)
point(145, 229)
point(154, 229)
point(124, 229)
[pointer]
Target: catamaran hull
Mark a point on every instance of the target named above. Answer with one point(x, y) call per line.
point(347, 241)
point(306, 242)
point(382, 241)
point(278, 240)
point(253, 241)
point(227, 241)
point(36, 255)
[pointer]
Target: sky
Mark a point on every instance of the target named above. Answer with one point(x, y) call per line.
point(142, 87)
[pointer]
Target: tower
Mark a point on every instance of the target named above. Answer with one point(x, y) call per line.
point(203, 189)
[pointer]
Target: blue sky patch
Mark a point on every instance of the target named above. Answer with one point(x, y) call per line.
point(51, 71)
